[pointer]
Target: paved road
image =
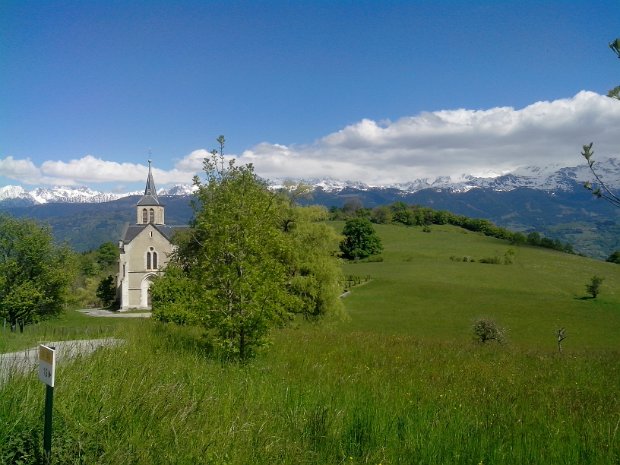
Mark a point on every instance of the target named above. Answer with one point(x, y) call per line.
point(27, 360)
point(111, 314)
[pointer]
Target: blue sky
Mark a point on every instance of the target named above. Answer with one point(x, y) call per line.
point(377, 91)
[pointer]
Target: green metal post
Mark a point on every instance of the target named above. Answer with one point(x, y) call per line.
point(47, 431)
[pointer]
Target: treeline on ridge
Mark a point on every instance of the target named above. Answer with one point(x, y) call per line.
point(416, 215)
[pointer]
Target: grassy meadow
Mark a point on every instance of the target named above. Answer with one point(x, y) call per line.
point(399, 382)
point(68, 326)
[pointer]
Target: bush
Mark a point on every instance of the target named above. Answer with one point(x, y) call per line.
point(614, 257)
point(594, 287)
point(488, 330)
point(360, 239)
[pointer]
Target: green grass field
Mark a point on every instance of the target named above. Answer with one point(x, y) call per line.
point(417, 290)
point(70, 325)
point(401, 381)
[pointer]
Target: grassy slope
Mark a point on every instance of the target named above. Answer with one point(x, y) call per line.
point(401, 382)
point(418, 290)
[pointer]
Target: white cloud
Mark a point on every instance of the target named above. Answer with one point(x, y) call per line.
point(86, 170)
point(451, 143)
point(427, 145)
point(19, 169)
point(193, 161)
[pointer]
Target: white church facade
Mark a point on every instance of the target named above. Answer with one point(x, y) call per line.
point(145, 249)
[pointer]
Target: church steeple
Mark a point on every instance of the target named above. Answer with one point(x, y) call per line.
point(150, 192)
point(150, 210)
point(150, 184)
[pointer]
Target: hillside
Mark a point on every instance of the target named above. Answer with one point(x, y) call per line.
point(421, 289)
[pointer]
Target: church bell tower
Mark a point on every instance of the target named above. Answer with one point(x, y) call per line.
point(148, 208)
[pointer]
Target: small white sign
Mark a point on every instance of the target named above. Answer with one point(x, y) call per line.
point(47, 365)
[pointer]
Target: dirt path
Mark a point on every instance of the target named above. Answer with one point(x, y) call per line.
point(27, 360)
point(110, 314)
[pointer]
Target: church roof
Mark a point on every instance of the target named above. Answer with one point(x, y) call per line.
point(150, 192)
point(131, 231)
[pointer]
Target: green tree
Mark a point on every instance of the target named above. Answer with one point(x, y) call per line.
point(236, 253)
point(176, 297)
point(313, 269)
point(594, 286)
point(250, 260)
point(106, 291)
point(488, 330)
point(34, 273)
point(360, 239)
point(107, 254)
point(382, 214)
point(614, 257)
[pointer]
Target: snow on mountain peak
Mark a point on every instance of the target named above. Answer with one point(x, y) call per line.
point(549, 178)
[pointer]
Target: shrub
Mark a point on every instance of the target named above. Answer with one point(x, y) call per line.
point(594, 287)
point(614, 257)
point(488, 330)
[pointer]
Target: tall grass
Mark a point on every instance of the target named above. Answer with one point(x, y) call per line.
point(321, 396)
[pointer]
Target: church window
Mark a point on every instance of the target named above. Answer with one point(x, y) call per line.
point(151, 259)
point(152, 216)
point(145, 217)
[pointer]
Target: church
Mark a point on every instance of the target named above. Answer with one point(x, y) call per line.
point(145, 249)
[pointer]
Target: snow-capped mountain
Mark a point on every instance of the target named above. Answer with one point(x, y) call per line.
point(18, 196)
point(546, 178)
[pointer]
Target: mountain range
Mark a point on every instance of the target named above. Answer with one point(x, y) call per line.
point(550, 200)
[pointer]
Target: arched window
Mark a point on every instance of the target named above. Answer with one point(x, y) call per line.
point(152, 216)
point(145, 216)
point(151, 259)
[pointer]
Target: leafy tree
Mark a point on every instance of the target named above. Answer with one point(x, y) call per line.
point(594, 286)
point(534, 238)
point(250, 260)
point(107, 254)
point(614, 257)
point(360, 239)
point(235, 254)
point(106, 291)
point(314, 273)
point(34, 273)
point(488, 330)
point(176, 297)
point(382, 215)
